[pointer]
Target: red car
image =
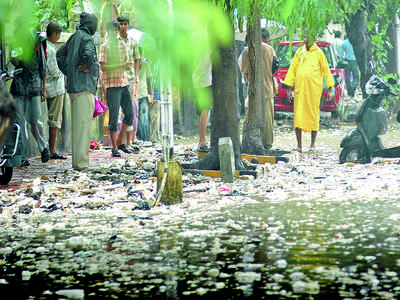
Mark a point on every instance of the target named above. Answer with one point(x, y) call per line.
point(281, 102)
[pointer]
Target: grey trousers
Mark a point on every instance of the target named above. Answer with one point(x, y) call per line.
point(155, 109)
point(29, 112)
point(82, 107)
point(143, 129)
point(268, 130)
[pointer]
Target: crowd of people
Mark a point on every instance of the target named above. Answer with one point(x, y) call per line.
point(121, 72)
point(124, 76)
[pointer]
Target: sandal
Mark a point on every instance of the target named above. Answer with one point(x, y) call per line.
point(115, 153)
point(25, 163)
point(298, 150)
point(123, 148)
point(135, 149)
point(57, 156)
point(203, 148)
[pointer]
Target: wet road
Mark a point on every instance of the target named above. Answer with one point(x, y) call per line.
point(308, 229)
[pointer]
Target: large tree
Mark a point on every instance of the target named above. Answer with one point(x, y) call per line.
point(356, 31)
point(367, 24)
point(226, 115)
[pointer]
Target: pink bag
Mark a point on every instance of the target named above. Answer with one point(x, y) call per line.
point(94, 145)
point(99, 107)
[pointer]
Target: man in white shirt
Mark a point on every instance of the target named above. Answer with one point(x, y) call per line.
point(55, 88)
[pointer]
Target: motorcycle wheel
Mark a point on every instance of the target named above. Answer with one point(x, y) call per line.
point(353, 154)
point(6, 175)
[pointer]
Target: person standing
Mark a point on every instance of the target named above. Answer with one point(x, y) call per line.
point(155, 107)
point(304, 77)
point(268, 54)
point(55, 88)
point(337, 43)
point(29, 91)
point(202, 83)
point(351, 69)
point(145, 98)
point(114, 62)
point(134, 56)
point(77, 59)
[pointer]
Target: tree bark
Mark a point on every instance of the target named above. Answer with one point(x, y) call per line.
point(391, 65)
point(356, 30)
point(226, 116)
point(253, 125)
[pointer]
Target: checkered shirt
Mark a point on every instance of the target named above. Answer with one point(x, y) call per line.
point(108, 55)
point(133, 52)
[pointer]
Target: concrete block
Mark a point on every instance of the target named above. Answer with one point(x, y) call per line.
point(226, 159)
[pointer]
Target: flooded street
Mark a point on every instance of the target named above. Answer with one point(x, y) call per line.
point(307, 229)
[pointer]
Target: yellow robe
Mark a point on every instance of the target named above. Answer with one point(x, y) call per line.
point(305, 75)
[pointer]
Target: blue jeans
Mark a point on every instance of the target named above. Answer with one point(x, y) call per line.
point(143, 129)
point(351, 85)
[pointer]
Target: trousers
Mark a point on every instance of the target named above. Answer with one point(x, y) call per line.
point(143, 129)
point(29, 112)
point(82, 108)
point(351, 85)
point(268, 130)
point(155, 109)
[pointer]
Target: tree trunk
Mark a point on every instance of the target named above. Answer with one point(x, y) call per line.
point(391, 65)
point(226, 116)
point(356, 30)
point(253, 125)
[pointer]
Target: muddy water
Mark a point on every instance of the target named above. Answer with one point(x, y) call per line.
point(262, 250)
point(309, 230)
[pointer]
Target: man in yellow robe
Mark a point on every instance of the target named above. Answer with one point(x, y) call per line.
point(305, 78)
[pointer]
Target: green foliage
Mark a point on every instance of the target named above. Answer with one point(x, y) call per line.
point(380, 14)
point(54, 11)
point(47, 10)
point(21, 18)
point(16, 20)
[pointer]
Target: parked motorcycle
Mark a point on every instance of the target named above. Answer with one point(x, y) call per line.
point(363, 143)
point(10, 132)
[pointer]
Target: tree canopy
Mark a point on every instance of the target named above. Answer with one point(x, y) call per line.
point(190, 18)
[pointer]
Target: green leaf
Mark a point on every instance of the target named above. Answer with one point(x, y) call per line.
point(288, 8)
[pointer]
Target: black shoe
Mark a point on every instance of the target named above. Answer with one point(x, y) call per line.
point(115, 153)
point(25, 163)
point(45, 155)
point(123, 148)
point(57, 156)
point(135, 149)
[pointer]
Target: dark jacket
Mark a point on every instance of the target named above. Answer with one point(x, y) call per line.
point(80, 50)
point(29, 82)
